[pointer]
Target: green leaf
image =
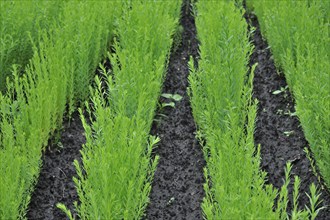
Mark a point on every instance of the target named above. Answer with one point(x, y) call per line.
point(177, 97)
point(167, 95)
point(276, 92)
point(288, 133)
point(170, 104)
point(65, 210)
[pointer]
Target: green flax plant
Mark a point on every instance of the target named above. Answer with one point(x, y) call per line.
point(114, 179)
point(20, 21)
point(28, 116)
point(221, 103)
point(94, 33)
point(35, 102)
point(221, 98)
point(298, 34)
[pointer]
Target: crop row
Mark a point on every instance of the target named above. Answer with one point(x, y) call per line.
point(64, 59)
point(224, 111)
point(114, 180)
point(298, 33)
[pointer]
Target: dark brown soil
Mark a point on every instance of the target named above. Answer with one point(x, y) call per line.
point(55, 182)
point(177, 189)
point(273, 121)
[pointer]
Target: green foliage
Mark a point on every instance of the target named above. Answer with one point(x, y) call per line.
point(221, 103)
point(35, 102)
point(94, 27)
point(298, 33)
point(65, 210)
point(315, 202)
point(22, 21)
point(221, 97)
point(114, 179)
point(27, 118)
point(307, 213)
point(175, 97)
point(172, 99)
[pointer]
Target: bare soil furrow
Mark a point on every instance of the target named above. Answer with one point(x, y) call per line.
point(177, 189)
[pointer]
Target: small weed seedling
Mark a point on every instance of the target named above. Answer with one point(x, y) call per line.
point(281, 90)
point(291, 114)
point(288, 133)
point(174, 97)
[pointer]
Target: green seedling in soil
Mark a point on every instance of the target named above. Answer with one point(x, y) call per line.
point(64, 209)
point(288, 133)
point(297, 214)
point(281, 90)
point(312, 161)
point(283, 197)
point(282, 203)
point(315, 202)
point(279, 112)
point(291, 114)
point(308, 155)
point(175, 97)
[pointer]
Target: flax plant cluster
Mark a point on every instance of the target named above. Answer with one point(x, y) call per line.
point(221, 97)
point(21, 21)
point(298, 34)
point(65, 56)
point(115, 177)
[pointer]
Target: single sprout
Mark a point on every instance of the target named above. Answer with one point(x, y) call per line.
point(174, 97)
point(281, 90)
point(288, 133)
point(170, 201)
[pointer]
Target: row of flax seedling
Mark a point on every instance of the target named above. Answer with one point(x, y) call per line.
point(65, 55)
point(114, 179)
point(298, 34)
point(222, 104)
